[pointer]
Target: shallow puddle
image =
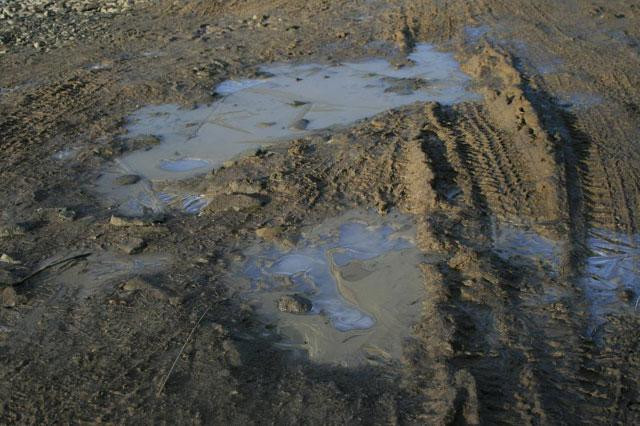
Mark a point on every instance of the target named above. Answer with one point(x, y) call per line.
point(99, 272)
point(612, 273)
point(510, 241)
point(141, 198)
point(289, 101)
point(610, 276)
point(360, 274)
point(66, 154)
point(577, 100)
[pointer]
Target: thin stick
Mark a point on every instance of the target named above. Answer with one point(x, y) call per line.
point(175, 361)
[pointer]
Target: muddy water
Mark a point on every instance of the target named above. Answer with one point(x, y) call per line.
point(360, 273)
point(289, 101)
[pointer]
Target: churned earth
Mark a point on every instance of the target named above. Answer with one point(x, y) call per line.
point(320, 212)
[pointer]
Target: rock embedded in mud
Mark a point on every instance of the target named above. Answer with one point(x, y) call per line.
point(301, 124)
point(231, 353)
point(243, 186)
point(132, 245)
point(117, 220)
point(294, 304)
point(66, 214)
point(268, 233)
point(9, 297)
point(5, 258)
point(138, 284)
point(127, 180)
point(236, 202)
point(126, 221)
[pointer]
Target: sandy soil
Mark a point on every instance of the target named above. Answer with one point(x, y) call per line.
point(140, 323)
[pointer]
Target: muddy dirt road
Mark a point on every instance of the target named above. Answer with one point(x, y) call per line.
point(320, 212)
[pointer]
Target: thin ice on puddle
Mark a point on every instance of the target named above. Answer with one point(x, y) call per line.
point(612, 267)
point(359, 272)
point(311, 269)
point(320, 96)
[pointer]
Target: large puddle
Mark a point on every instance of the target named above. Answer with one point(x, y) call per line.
point(289, 101)
point(359, 274)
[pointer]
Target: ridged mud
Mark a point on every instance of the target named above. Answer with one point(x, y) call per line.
point(524, 203)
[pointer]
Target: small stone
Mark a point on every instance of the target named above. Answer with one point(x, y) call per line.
point(133, 245)
point(151, 290)
point(66, 214)
point(127, 179)
point(136, 284)
point(231, 353)
point(294, 304)
point(299, 124)
point(125, 221)
point(117, 220)
point(243, 187)
point(8, 259)
point(268, 233)
point(9, 297)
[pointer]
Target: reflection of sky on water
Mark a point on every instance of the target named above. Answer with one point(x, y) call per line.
point(310, 268)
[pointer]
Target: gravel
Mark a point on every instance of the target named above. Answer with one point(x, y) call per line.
point(46, 24)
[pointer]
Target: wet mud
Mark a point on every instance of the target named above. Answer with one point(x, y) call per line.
point(337, 212)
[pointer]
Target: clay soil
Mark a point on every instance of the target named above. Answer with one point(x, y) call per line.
point(87, 335)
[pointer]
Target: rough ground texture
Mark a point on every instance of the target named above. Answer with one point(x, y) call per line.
point(90, 336)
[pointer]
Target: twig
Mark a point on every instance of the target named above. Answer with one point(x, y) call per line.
point(50, 265)
point(175, 361)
